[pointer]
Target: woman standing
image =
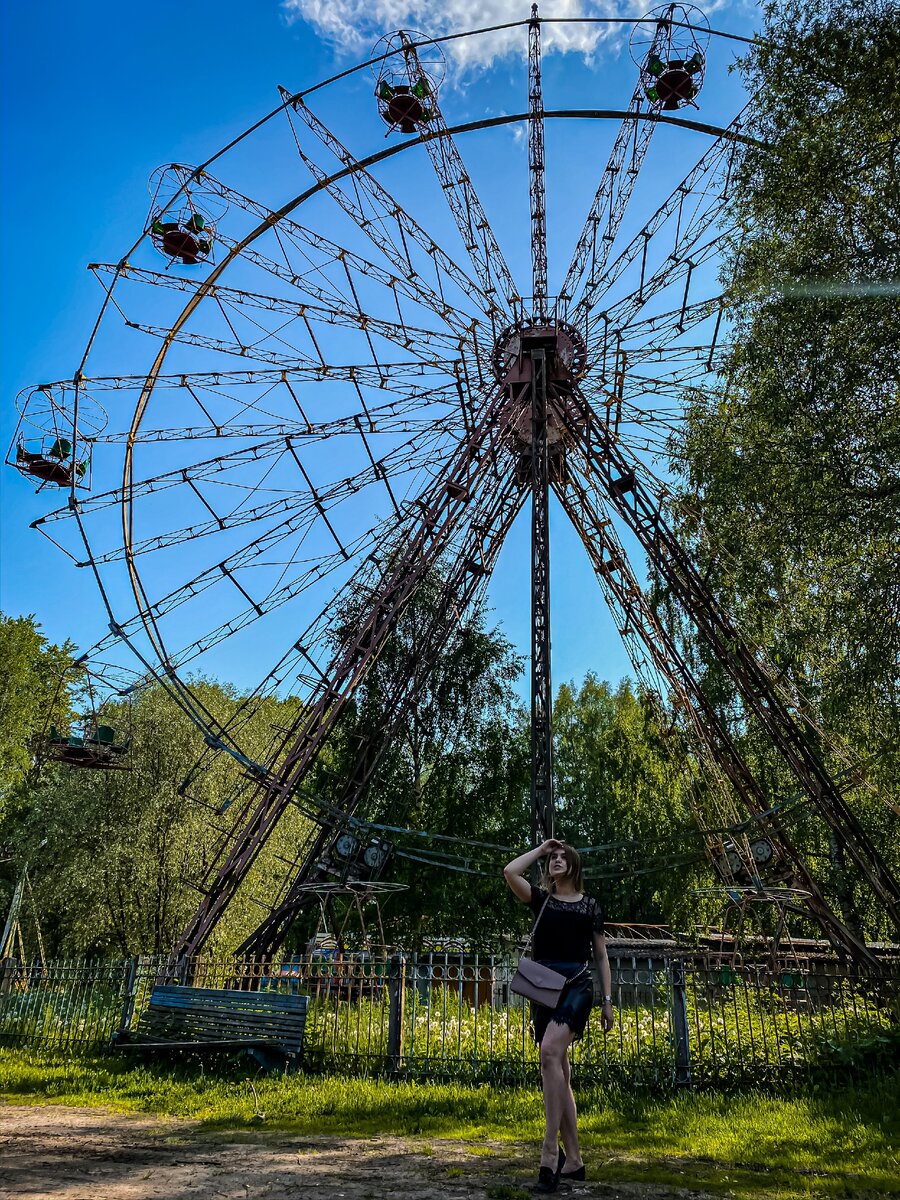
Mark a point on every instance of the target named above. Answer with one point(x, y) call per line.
point(568, 932)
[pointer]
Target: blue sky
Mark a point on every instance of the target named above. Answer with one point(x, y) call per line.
point(95, 97)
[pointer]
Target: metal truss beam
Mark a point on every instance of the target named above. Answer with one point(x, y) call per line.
point(443, 510)
point(298, 236)
point(686, 232)
point(542, 810)
point(471, 567)
point(536, 189)
point(388, 210)
point(638, 508)
point(637, 621)
point(611, 198)
point(425, 343)
point(471, 220)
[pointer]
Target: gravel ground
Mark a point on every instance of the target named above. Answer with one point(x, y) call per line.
point(58, 1153)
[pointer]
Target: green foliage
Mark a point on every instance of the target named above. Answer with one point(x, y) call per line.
point(111, 851)
point(36, 685)
point(455, 763)
point(795, 465)
point(878, 1051)
point(620, 780)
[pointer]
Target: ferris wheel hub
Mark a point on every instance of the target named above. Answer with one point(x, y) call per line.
point(513, 356)
point(563, 347)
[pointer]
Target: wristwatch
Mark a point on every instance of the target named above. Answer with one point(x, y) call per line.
point(607, 999)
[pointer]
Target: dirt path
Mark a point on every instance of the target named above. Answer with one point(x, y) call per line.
point(58, 1153)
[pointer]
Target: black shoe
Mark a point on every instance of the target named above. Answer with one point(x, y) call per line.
point(577, 1174)
point(547, 1180)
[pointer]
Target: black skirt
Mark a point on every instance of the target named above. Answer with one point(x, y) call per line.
point(575, 1003)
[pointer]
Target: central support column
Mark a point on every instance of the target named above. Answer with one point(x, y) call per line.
point(542, 814)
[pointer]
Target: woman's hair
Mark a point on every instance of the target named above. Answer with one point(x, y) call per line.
point(575, 870)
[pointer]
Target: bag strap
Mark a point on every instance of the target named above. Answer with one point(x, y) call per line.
point(527, 945)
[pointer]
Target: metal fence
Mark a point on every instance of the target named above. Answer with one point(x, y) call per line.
point(453, 1016)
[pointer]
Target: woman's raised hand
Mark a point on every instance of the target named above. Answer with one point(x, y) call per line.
point(551, 844)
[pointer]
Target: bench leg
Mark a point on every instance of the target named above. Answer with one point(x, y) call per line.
point(269, 1060)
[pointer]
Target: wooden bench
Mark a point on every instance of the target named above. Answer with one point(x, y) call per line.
point(268, 1025)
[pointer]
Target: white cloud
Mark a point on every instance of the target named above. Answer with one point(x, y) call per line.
point(355, 25)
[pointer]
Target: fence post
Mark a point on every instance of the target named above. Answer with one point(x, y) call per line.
point(680, 1029)
point(396, 1012)
point(128, 990)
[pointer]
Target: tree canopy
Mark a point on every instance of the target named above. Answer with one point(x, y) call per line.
point(791, 474)
point(37, 681)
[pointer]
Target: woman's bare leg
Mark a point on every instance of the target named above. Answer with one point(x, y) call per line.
point(568, 1126)
point(559, 1105)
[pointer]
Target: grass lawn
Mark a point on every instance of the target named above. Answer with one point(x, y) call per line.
point(826, 1143)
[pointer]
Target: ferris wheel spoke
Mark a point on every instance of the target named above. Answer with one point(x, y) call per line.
point(642, 357)
point(216, 469)
point(389, 377)
point(635, 382)
point(319, 501)
point(537, 191)
point(655, 334)
point(651, 339)
point(673, 383)
point(254, 340)
point(356, 651)
point(385, 212)
point(364, 375)
point(251, 611)
point(322, 254)
point(466, 209)
point(213, 390)
point(586, 271)
point(356, 268)
point(313, 572)
point(695, 200)
point(276, 598)
point(422, 342)
point(470, 542)
point(311, 432)
point(236, 572)
point(206, 469)
point(685, 257)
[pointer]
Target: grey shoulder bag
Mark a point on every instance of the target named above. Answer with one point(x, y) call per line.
point(533, 980)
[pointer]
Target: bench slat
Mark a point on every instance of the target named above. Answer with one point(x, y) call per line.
point(235, 998)
point(255, 1019)
point(199, 1029)
point(228, 1043)
point(220, 1018)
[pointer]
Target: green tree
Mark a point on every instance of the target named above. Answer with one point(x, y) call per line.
point(622, 785)
point(37, 681)
point(795, 467)
point(456, 764)
point(113, 852)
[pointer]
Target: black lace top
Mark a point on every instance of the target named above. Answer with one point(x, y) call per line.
point(564, 932)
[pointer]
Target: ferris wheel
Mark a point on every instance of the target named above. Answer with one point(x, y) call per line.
point(297, 394)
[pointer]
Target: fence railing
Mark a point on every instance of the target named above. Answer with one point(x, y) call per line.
point(438, 1016)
